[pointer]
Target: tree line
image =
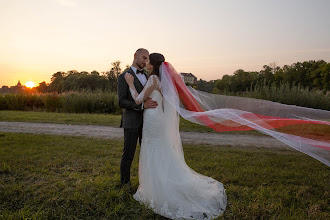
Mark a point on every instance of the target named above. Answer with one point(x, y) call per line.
point(83, 81)
point(74, 81)
point(312, 75)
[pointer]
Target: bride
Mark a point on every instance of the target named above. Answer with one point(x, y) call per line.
point(167, 185)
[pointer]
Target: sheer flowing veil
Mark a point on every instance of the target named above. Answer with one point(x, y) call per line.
point(304, 129)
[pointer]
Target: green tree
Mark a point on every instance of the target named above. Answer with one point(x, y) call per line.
point(205, 86)
point(56, 82)
point(266, 75)
point(94, 72)
point(112, 75)
point(115, 69)
point(43, 87)
point(223, 85)
point(325, 74)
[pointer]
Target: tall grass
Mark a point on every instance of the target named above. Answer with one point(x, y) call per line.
point(14, 101)
point(295, 95)
point(88, 102)
point(107, 102)
point(286, 94)
point(72, 102)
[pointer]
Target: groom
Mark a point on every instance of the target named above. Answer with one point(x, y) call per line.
point(132, 118)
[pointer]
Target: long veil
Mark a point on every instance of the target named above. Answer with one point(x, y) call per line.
point(304, 129)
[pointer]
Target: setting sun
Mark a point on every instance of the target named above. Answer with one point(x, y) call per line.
point(30, 84)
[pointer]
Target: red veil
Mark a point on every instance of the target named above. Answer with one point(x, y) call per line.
point(305, 129)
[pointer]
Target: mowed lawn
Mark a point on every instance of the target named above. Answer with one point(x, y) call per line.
point(62, 177)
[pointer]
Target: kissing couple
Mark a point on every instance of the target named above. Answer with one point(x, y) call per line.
point(167, 185)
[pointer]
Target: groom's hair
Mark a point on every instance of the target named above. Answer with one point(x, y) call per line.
point(140, 50)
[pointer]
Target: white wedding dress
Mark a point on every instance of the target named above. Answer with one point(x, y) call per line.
point(167, 185)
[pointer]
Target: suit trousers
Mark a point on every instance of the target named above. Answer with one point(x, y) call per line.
point(131, 136)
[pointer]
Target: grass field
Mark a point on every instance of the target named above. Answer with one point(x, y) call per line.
point(61, 177)
point(61, 118)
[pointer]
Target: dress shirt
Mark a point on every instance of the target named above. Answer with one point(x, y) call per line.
point(142, 78)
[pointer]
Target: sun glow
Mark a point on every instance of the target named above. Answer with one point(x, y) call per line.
point(30, 84)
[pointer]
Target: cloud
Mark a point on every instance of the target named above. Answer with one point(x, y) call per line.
point(67, 3)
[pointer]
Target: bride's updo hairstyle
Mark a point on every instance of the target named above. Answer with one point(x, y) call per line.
point(156, 60)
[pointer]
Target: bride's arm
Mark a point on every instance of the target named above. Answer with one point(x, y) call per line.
point(145, 93)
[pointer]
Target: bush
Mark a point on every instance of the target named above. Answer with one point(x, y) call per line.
point(3, 104)
point(52, 102)
point(71, 102)
point(16, 101)
point(34, 102)
point(90, 102)
point(286, 94)
point(295, 95)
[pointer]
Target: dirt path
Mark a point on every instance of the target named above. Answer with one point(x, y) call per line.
point(108, 132)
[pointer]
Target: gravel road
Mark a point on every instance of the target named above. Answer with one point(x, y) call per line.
point(108, 132)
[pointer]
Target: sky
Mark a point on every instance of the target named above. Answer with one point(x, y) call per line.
point(209, 38)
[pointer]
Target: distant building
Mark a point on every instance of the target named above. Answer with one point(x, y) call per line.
point(189, 78)
point(19, 83)
point(13, 89)
point(18, 88)
point(4, 89)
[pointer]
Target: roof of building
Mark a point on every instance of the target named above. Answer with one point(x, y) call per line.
point(188, 74)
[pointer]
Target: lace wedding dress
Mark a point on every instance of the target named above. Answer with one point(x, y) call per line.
point(167, 185)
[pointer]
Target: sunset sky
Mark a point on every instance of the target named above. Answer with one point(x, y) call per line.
point(208, 38)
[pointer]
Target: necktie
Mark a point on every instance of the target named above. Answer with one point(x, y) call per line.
point(139, 71)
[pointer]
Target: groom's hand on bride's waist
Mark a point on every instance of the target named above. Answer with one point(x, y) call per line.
point(149, 103)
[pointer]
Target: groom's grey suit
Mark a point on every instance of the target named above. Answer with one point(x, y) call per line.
point(132, 122)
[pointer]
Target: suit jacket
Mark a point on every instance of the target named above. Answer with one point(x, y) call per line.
point(132, 116)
